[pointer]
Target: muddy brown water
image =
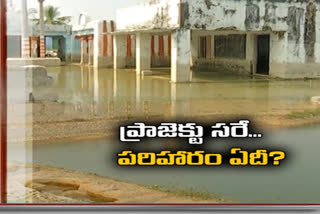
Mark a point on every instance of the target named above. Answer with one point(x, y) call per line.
point(296, 181)
point(108, 93)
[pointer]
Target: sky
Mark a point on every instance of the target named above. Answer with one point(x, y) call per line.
point(96, 9)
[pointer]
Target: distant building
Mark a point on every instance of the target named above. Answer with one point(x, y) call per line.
point(57, 38)
point(271, 37)
point(93, 42)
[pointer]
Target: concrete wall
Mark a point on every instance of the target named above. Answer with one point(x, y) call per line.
point(99, 59)
point(226, 65)
point(154, 14)
point(131, 60)
point(68, 48)
point(14, 46)
point(75, 50)
point(96, 28)
point(158, 58)
point(54, 30)
point(292, 25)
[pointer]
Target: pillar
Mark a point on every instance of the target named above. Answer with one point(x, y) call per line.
point(83, 51)
point(102, 58)
point(25, 43)
point(42, 36)
point(119, 51)
point(279, 55)
point(143, 52)
point(180, 55)
point(111, 27)
point(42, 47)
point(251, 51)
point(34, 46)
point(25, 47)
point(90, 47)
point(68, 48)
point(98, 46)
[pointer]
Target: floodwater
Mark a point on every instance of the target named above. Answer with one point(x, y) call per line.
point(107, 93)
point(122, 93)
point(295, 181)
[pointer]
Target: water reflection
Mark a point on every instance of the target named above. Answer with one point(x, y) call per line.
point(86, 93)
point(122, 93)
point(295, 181)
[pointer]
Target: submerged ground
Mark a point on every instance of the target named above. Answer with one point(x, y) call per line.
point(87, 103)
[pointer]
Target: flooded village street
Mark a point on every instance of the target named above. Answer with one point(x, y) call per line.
point(84, 94)
point(72, 81)
point(87, 96)
point(208, 94)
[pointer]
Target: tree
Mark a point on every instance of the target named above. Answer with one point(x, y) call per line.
point(52, 16)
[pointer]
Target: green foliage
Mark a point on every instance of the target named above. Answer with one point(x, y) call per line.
point(51, 16)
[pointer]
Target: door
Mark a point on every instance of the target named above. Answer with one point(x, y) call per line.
point(61, 49)
point(263, 56)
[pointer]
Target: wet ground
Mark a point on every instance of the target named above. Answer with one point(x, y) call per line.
point(121, 93)
point(294, 181)
point(82, 94)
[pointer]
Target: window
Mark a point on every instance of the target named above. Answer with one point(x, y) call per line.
point(230, 46)
point(205, 47)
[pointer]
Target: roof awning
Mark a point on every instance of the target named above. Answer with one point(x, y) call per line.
point(88, 36)
point(135, 31)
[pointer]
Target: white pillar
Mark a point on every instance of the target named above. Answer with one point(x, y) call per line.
point(251, 51)
point(83, 51)
point(180, 55)
point(90, 47)
point(143, 52)
point(42, 31)
point(99, 60)
point(25, 44)
point(119, 51)
point(279, 55)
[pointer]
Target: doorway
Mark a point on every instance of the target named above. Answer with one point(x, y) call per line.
point(263, 54)
point(56, 47)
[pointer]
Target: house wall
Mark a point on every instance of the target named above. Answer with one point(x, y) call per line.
point(154, 14)
point(131, 51)
point(14, 46)
point(292, 25)
point(75, 50)
point(102, 42)
point(227, 65)
point(160, 56)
